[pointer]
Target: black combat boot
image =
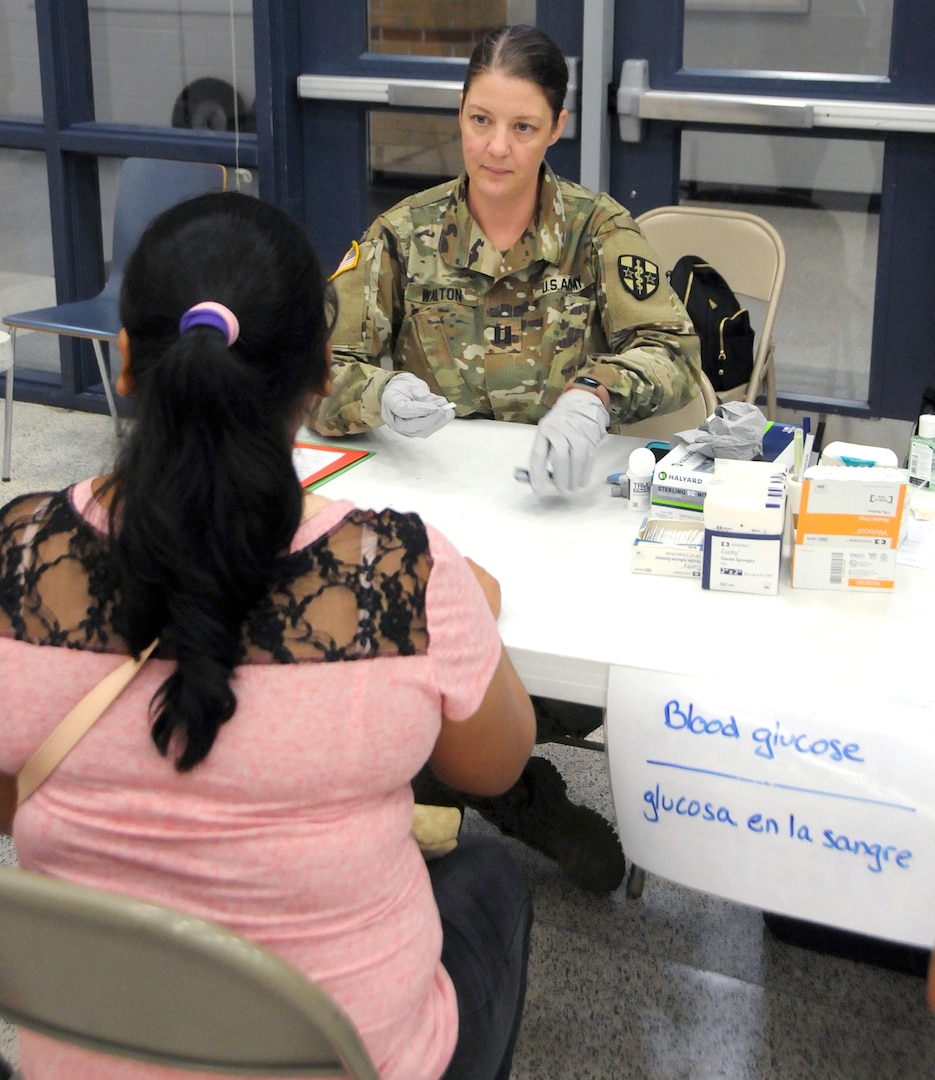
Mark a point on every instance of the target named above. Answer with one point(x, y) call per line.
point(538, 811)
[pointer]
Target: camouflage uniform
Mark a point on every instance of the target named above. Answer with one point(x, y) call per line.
point(500, 334)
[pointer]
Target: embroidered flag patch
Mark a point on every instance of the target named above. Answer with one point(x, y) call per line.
point(349, 261)
point(639, 276)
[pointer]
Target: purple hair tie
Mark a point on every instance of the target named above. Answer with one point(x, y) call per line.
point(211, 313)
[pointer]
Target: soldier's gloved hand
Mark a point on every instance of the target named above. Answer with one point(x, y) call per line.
point(409, 406)
point(566, 438)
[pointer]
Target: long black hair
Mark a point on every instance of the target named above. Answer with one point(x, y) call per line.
point(522, 52)
point(204, 492)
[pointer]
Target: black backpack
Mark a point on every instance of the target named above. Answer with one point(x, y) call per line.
point(721, 323)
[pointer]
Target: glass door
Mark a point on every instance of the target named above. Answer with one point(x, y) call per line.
point(819, 116)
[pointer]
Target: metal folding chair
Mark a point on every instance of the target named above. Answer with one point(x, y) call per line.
point(749, 252)
point(137, 980)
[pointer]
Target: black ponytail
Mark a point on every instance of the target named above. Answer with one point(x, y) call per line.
point(204, 493)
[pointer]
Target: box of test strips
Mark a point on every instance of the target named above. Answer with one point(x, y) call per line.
point(670, 548)
point(848, 527)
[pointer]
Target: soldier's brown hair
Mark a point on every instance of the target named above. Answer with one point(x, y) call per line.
point(522, 52)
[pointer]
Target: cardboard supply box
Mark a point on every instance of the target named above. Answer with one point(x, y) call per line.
point(743, 523)
point(681, 479)
point(741, 562)
point(670, 548)
point(848, 527)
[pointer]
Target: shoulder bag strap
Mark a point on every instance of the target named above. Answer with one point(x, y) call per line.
point(79, 721)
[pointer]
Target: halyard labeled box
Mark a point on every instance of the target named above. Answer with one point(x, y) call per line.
point(681, 479)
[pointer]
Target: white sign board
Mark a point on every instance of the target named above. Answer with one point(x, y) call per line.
point(807, 801)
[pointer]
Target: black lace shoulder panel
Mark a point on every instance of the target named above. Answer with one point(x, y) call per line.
point(356, 592)
point(56, 584)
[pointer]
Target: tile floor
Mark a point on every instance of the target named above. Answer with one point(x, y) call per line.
point(678, 985)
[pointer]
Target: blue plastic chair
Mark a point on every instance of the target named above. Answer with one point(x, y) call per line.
point(146, 187)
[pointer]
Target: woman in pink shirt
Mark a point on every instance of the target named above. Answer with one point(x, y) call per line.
point(312, 657)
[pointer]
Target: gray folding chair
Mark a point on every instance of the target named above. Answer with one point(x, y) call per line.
point(146, 187)
point(749, 252)
point(137, 980)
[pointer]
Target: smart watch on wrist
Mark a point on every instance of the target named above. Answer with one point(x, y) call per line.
point(591, 384)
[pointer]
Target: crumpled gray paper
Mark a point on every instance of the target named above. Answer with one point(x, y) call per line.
point(734, 430)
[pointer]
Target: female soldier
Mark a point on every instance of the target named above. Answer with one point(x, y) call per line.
point(506, 287)
point(519, 296)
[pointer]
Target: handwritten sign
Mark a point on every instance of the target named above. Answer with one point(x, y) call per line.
point(801, 800)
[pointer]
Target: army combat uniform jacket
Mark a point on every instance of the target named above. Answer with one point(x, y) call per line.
point(501, 333)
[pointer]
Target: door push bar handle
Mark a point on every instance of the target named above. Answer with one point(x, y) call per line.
point(439, 94)
point(637, 102)
point(423, 95)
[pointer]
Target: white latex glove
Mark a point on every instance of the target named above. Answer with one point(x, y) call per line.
point(566, 438)
point(409, 406)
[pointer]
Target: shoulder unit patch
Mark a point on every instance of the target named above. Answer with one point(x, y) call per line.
point(639, 276)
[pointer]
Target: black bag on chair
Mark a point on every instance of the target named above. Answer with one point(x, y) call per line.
point(720, 322)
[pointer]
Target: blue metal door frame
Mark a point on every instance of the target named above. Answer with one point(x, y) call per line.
point(646, 174)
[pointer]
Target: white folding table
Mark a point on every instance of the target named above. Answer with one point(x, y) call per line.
point(777, 750)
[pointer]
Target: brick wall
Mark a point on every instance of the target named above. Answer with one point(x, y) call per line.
point(432, 27)
point(424, 144)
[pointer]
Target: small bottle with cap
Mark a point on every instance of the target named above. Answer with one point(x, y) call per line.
point(640, 474)
point(922, 453)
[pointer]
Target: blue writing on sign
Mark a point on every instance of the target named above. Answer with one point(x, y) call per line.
point(768, 826)
point(771, 740)
point(678, 719)
point(878, 853)
point(660, 803)
point(759, 824)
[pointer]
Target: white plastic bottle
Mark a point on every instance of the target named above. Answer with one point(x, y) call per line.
point(922, 453)
point(640, 472)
